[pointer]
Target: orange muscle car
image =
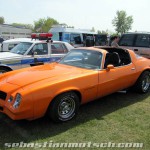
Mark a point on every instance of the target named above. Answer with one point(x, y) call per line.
point(83, 75)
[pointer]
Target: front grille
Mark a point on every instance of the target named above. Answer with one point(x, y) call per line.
point(3, 95)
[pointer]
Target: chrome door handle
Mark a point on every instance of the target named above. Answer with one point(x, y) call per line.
point(132, 68)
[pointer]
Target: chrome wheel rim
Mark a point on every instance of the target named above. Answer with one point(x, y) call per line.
point(66, 107)
point(146, 83)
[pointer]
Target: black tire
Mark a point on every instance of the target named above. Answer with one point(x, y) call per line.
point(143, 83)
point(4, 70)
point(64, 107)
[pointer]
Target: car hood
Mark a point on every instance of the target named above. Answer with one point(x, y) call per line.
point(8, 55)
point(52, 72)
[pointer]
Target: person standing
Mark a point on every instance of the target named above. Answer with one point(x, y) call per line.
point(115, 41)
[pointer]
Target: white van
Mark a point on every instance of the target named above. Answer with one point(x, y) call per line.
point(76, 37)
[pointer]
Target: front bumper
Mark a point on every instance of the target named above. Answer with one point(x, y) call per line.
point(24, 112)
point(16, 114)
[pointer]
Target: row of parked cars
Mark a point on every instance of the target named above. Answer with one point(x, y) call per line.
point(58, 89)
point(22, 53)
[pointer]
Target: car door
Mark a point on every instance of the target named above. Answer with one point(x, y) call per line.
point(38, 53)
point(58, 50)
point(115, 79)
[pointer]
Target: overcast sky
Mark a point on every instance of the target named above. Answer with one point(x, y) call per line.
point(83, 14)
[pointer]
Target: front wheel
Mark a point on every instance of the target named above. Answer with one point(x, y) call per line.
point(64, 107)
point(143, 83)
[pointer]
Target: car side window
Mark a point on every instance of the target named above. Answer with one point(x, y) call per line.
point(10, 46)
point(127, 40)
point(75, 39)
point(117, 58)
point(66, 37)
point(39, 49)
point(58, 48)
point(142, 40)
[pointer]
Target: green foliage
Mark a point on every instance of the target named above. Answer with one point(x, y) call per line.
point(2, 20)
point(28, 26)
point(43, 25)
point(93, 29)
point(122, 22)
point(102, 32)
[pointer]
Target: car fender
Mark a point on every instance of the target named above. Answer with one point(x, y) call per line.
point(6, 66)
point(68, 89)
point(40, 106)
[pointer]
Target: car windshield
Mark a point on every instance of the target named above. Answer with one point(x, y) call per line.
point(83, 58)
point(21, 48)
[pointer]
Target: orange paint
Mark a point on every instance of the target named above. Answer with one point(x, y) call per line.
point(39, 85)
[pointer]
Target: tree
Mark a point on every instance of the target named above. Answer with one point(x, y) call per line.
point(28, 26)
point(93, 29)
point(122, 22)
point(2, 20)
point(44, 25)
point(65, 25)
point(102, 32)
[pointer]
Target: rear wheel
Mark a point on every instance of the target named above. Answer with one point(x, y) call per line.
point(4, 70)
point(143, 83)
point(64, 107)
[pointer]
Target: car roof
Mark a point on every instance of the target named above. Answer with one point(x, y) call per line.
point(103, 49)
point(137, 33)
point(17, 40)
point(43, 41)
point(28, 40)
point(93, 49)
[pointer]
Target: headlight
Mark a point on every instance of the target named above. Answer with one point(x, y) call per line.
point(17, 100)
point(10, 99)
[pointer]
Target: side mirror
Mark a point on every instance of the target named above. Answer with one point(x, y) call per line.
point(71, 43)
point(34, 53)
point(109, 67)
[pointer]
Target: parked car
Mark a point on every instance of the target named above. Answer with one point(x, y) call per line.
point(1, 40)
point(32, 52)
point(83, 75)
point(136, 41)
point(7, 45)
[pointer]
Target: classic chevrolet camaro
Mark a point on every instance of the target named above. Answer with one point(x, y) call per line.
point(83, 75)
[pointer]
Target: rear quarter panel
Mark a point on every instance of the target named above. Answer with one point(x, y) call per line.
point(140, 63)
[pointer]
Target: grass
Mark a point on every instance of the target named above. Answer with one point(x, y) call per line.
point(115, 118)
